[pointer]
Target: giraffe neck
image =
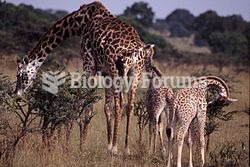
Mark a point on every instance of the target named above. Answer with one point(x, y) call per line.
point(212, 81)
point(154, 75)
point(73, 24)
point(153, 72)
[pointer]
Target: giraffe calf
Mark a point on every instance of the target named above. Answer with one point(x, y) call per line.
point(189, 111)
point(158, 99)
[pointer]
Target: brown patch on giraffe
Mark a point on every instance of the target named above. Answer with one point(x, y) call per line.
point(66, 34)
point(60, 33)
point(51, 40)
point(47, 50)
point(55, 30)
point(58, 40)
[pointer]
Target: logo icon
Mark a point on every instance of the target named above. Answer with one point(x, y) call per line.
point(52, 80)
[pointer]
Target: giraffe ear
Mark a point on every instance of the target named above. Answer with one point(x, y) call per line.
point(149, 46)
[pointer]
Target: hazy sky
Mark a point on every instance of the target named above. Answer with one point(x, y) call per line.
point(161, 7)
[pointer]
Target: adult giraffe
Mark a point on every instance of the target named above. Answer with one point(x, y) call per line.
point(108, 45)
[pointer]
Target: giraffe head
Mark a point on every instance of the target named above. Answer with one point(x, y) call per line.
point(221, 86)
point(149, 53)
point(25, 74)
point(152, 70)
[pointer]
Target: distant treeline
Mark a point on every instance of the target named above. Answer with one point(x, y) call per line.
point(21, 27)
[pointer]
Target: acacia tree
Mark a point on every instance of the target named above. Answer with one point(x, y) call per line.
point(17, 119)
point(41, 112)
point(63, 109)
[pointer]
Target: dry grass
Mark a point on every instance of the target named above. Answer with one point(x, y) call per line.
point(31, 153)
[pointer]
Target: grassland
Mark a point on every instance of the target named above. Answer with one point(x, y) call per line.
point(30, 151)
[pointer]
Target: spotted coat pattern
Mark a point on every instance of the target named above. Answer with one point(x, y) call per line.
point(108, 45)
point(189, 111)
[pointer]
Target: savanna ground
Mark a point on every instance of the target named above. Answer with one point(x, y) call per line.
point(30, 151)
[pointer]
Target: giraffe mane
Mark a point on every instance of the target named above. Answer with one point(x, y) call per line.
point(31, 54)
point(157, 71)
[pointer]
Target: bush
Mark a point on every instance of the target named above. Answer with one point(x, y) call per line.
point(180, 23)
point(141, 12)
point(229, 154)
point(231, 43)
point(41, 112)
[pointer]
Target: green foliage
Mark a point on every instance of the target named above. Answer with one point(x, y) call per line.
point(231, 43)
point(206, 23)
point(22, 26)
point(17, 119)
point(225, 35)
point(180, 23)
point(234, 44)
point(68, 105)
point(209, 22)
point(20, 117)
point(141, 12)
point(23, 16)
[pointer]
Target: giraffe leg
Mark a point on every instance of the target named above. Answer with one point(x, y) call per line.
point(160, 129)
point(184, 125)
point(117, 122)
point(155, 130)
point(130, 108)
point(201, 133)
point(170, 145)
point(190, 146)
point(170, 132)
point(118, 113)
point(157, 123)
point(150, 136)
point(89, 67)
point(151, 128)
point(108, 112)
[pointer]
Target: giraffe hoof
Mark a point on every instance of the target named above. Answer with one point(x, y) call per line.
point(127, 151)
point(109, 150)
point(114, 151)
